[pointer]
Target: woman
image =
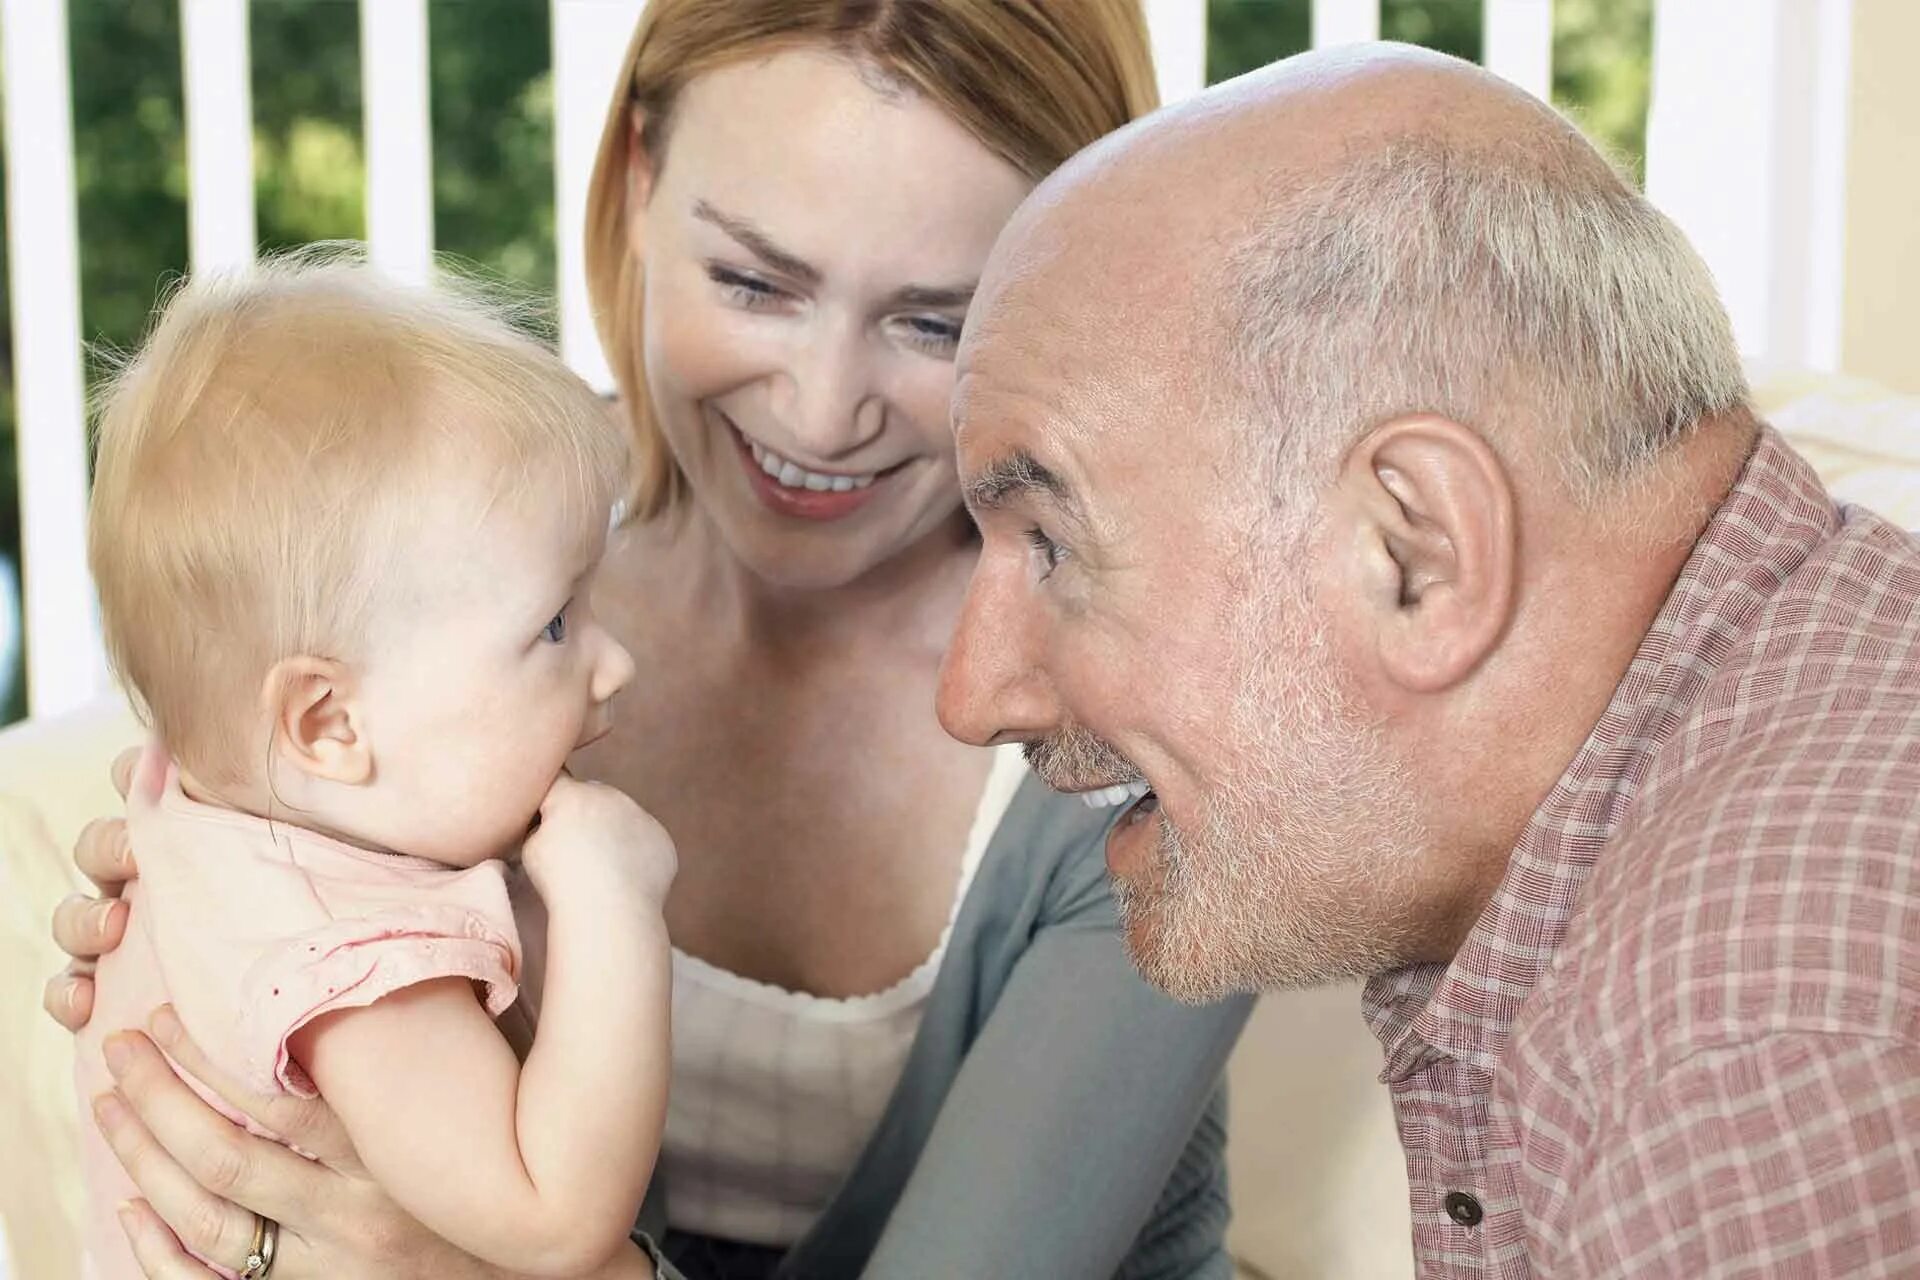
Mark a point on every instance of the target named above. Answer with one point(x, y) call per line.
point(907, 1040)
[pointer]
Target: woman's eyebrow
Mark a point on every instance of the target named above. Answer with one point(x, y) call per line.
point(757, 242)
point(917, 295)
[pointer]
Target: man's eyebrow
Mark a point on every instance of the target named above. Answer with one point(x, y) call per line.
point(1019, 475)
point(758, 243)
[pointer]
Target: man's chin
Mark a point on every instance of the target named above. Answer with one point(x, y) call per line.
point(1180, 962)
point(1201, 956)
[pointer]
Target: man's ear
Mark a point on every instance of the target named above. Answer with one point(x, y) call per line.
point(641, 170)
point(1437, 548)
point(317, 720)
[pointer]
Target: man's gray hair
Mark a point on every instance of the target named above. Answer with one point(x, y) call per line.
point(1528, 293)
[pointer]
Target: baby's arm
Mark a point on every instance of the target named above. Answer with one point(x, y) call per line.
point(539, 1167)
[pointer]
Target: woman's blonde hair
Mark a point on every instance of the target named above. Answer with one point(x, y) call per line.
point(264, 456)
point(1033, 80)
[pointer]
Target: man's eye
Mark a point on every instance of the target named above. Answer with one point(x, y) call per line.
point(556, 630)
point(1048, 552)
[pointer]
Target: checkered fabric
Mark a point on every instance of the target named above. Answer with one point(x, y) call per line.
point(1684, 1038)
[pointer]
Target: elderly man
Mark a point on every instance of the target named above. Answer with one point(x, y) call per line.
point(1367, 468)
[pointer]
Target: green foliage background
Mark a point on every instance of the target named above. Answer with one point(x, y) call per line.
point(492, 101)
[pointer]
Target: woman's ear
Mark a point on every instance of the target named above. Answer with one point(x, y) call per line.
point(318, 720)
point(1439, 556)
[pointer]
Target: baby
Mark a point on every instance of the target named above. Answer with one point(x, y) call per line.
point(345, 535)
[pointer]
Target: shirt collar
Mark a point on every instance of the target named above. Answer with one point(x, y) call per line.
point(1774, 516)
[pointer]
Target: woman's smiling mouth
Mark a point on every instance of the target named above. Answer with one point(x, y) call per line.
point(789, 489)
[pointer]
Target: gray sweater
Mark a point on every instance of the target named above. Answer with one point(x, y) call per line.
point(1057, 1118)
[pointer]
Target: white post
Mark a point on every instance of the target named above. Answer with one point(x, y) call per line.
point(1828, 189)
point(64, 664)
point(1745, 150)
point(589, 40)
point(213, 42)
point(1517, 42)
point(1881, 259)
point(1345, 21)
point(399, 134)
point(1177, 31)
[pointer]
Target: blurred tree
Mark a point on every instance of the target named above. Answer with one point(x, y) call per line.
point(1243, 35)
point(1603, 74)
point(310, 174)
point(492, 98)
point(1602, 53)
point(1451, 26)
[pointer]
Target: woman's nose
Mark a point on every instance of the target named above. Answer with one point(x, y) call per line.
point(831, 403)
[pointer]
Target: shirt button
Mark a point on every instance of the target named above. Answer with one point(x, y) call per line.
point(1464, 1209)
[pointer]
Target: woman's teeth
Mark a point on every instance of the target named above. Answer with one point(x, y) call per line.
point(795, 476)
point(1107, 797)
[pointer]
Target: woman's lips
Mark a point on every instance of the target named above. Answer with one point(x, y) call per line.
point(801, 503)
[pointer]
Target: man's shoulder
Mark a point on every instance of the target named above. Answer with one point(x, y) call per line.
point(1767, 877)
point(1776, 892)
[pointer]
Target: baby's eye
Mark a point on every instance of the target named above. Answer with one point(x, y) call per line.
point(556, 630)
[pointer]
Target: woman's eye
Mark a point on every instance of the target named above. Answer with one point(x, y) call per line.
point(745, 290)
point(1048, 552)
point(556, 630)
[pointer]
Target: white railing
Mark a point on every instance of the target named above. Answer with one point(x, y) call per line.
point(1746, 147)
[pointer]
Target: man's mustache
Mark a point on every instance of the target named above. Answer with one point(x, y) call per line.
point(1076, 760)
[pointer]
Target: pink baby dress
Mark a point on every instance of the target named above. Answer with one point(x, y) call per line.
point(252, 929)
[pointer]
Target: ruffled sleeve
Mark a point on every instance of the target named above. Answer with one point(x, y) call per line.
point(350, 963)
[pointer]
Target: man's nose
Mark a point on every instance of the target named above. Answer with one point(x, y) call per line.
point(993, 684)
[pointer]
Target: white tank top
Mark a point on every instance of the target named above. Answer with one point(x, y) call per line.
point(775, 1092)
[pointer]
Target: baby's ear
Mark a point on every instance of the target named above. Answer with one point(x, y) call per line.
point(317, 719)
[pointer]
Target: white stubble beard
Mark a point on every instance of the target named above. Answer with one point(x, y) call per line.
point(1299, 869)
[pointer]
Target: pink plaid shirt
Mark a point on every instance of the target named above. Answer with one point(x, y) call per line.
point(1684, 1038)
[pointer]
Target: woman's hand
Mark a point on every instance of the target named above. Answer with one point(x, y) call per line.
point(204, 1177)
point(87, 928)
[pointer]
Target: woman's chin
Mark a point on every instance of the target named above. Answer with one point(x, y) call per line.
point(800, 556)
point(785, 567)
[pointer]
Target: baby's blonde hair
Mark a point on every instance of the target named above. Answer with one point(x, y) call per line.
point(269, 447)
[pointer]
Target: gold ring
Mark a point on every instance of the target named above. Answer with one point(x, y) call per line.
point(266, 1238)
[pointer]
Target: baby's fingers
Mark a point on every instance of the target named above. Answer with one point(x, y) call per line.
point(122, 770)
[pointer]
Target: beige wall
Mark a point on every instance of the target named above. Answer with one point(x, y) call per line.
point(1880, 323)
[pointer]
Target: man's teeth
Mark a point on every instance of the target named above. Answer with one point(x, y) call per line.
point(1107, 797)
point(795, 476)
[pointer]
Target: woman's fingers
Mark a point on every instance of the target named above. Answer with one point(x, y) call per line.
point(123, 767)
point(307, 1123)
point(68, 998)
point(212, 1227)
point(154, 1248)
point(256, 1173)
point(103, 854)
point(86, 928)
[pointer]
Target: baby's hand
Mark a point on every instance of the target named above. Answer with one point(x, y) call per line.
point(594, 845)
